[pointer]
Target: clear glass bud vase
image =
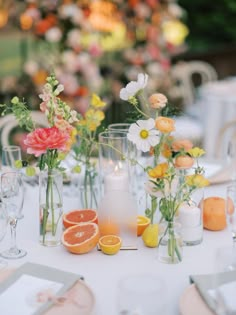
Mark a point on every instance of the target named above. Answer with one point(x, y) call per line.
point(89, 192)
point(170, 247)
point(50, 203)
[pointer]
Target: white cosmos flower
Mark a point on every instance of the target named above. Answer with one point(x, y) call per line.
point(133, 87)
point(143, 134)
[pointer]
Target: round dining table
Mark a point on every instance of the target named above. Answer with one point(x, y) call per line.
point(103, 272)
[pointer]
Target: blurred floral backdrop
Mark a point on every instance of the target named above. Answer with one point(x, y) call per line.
point(95, 46)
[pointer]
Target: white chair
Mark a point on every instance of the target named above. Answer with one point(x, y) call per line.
point(8, 123)
point(184, 75)
point(226, 141)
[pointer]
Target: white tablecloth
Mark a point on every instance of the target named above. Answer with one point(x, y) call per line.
point(218, 106)
point(102, 272)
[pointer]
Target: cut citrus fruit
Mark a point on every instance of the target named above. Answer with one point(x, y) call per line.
point(75, 217)
point(81, 238)
point(142, 223)
point(110, 244)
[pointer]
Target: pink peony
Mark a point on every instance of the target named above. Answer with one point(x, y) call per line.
point(41, 139)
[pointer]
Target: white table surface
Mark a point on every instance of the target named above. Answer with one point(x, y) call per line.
point(102, 272)
point(217, 101)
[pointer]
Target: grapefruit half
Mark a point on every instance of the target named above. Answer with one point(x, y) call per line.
point(81, 238)
point(75, 217)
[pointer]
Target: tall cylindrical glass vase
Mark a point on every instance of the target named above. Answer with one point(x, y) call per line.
point(50, 205)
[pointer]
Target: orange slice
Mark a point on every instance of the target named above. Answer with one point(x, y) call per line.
point(75, 217)
point(110, 244)
point(142, 223)
point(81, 238)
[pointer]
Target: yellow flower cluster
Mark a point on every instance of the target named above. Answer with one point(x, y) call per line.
point(93, 116)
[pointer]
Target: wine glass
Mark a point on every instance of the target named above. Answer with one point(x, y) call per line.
point(3, 228)
point(10, 154)
point(12, 194)
point(138, 294)
point(230, 209)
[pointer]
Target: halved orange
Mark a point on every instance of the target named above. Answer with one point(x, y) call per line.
point(110, 244)
point(81, 238)
point(142, 223)
point(75, 217)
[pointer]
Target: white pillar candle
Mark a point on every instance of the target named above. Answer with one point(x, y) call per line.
point(189, 216)
point(191, 223)
point(117, 180)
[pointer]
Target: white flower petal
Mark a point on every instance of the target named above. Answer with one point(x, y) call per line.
point(154, 132)
point(150, 123)
point(134, 128)
point(123, 94)
point(143, 145)
point(142, 80)
point(132, 88)
point(132, 137)
point(153, 140)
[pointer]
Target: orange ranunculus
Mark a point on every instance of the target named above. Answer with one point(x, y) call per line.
point(182, 144)
point(158, 101)
point(41, 139)
point(159, 171)
point(183, 161)
point(165, 124)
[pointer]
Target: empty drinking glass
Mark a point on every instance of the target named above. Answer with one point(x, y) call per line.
point(141, 294)
point(10, 154)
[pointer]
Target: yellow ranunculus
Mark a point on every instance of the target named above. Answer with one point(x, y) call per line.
point(197, 180)
point(196, 152)
point(96, 101)
point(94, 118)
point(159, 171)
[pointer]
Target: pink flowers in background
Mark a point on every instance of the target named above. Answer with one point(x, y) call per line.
point(43, 139)
point(99, 45)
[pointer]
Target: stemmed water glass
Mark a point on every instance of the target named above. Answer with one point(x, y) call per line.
point(3, 228)
point(12, 195)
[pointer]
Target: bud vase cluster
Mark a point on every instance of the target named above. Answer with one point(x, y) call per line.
point(170, 182)
point(49, 145)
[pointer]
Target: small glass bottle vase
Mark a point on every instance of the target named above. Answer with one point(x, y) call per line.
point(50, 207)
point(89, 192)
point(170, 243)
